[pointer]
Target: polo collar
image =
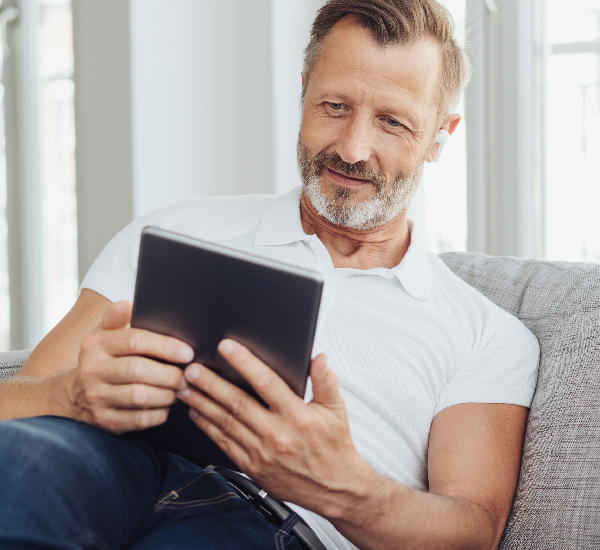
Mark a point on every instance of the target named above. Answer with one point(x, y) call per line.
point(414, 271)
point(281, 225)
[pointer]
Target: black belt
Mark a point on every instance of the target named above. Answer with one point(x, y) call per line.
point(271, 509)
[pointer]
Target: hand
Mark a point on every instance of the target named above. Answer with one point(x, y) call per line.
point(117, 386)
point(302, 453)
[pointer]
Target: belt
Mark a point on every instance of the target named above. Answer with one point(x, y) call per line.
point(273, 510)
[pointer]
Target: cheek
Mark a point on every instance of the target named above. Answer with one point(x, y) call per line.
point(400, 156)
point(319, 131)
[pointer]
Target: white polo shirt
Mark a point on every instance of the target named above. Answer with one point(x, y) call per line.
point(405, 342)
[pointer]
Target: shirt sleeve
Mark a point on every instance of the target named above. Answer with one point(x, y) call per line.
point(113, 272)
point(502, 366)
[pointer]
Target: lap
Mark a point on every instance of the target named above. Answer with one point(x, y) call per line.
point(65, 480)
point(66, 484)
point(201, 510)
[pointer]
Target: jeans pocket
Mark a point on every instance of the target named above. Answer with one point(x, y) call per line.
point(203, 490)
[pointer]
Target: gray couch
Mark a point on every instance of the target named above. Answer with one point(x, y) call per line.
point(557, 505)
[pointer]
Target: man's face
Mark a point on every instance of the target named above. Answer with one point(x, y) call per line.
point(368, 123)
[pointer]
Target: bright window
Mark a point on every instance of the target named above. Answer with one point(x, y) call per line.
point(58, 159)
point(572, 131)
point(440, 205)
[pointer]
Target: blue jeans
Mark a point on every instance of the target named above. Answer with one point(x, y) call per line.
point(67, 485)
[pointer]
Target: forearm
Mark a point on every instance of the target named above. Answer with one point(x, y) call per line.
point(22, 397)
point(394, 516)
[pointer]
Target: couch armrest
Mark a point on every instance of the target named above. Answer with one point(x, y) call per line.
point(11, 362)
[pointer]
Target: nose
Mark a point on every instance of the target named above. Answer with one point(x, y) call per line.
point(356, 140)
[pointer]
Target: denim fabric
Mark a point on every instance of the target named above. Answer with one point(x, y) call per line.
point(67, 485)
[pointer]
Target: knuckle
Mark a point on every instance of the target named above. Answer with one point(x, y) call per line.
point(239, 404)
point(302, 421)
point(139, 396)
point(133, 342)
point(281, 444)
point(223, 444)
point(91, 396)
point(265, 382)
point(264, 457)
point(89, 342)
point(101, 417)
point(142, 420)
point(134, 368)
point(227, 422)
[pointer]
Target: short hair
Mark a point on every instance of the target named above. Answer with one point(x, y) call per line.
point(398, 22)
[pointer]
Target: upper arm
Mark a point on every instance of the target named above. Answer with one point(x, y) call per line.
point(475, 455)
point(59, 349)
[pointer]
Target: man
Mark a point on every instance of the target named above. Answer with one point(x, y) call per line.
point(412, 432)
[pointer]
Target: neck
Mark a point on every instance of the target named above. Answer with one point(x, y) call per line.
point(383, 246)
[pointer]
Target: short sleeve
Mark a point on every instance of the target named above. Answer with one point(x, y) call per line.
point(113, 272)
point(501, 368)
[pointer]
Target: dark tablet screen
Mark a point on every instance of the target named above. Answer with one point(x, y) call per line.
point(201, 292)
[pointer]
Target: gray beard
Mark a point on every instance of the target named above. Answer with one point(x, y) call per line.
point(339, 209)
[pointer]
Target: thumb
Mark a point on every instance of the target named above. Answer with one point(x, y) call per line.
point(324, 383)
point(118, 315)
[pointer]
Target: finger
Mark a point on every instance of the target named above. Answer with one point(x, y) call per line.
point(134, 396)
point(231, 399)
point(222, 418)
point(133, 341)
point(324, 383)
point(265, 381)
point(118, 315)
point(228, 445)
point(142, 370)
point(120, 421)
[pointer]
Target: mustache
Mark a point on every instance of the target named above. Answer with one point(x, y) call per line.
point(360, 170)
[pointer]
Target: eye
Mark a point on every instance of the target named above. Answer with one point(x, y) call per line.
point(392, 122)
point(336, 106)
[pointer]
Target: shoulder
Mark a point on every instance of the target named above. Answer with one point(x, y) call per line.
point(211, 218)
point(216, 218)
point(197, 217)
point(486, 318)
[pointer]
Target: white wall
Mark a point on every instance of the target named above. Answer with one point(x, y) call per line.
point(202, 104)
point(179, 99)
point(291, 22)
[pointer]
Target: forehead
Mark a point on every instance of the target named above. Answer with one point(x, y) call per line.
point(349, 58)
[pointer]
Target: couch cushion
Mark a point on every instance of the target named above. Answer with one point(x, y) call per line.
point(557, 505)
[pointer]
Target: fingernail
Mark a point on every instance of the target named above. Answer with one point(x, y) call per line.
point(184, 385)
point(225, 346)
point(182, 394)
point(185, 354)
point(194, 414)
point(192, 372)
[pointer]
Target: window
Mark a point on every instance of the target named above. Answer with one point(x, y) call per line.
point(440, 206)
point(58, 159)
point(572, 130)
point(37, 176)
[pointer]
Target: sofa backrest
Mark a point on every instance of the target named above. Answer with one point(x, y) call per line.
point(557, 504)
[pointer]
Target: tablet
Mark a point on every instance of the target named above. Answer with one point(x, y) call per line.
point(201, 292)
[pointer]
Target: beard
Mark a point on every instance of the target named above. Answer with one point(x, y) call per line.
point(342, 209)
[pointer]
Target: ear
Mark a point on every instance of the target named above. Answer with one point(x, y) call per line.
point(449, 125)
point(302, 80)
